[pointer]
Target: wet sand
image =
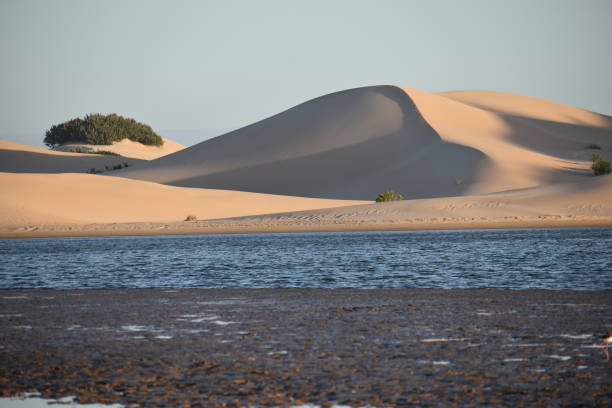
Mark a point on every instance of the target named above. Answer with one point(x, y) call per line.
point(278, 224)
point(285, 347)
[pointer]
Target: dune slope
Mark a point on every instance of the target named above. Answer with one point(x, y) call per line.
point(592, 198)
point(85, 198)
point(354, 144)
point(19, 158)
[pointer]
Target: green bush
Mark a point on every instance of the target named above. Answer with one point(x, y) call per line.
point(389, 195)
point(78, 149)
point(600, 166)
point(98, 129)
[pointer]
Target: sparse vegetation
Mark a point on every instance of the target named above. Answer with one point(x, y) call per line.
point(593, 146)
point(79, 149)
point(600, 166)
point(458, 181)
point(191, 217)
point(389, 195)
point(108, 168)
point(116, 166)
point(105, 152)
point(98, 129)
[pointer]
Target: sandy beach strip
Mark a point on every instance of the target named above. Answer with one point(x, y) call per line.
point(287, 347)
point(254, 225)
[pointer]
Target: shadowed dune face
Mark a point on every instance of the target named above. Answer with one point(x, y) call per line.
point(534, 146)
point(543, 126)
point(18, 158)
point(347, 145)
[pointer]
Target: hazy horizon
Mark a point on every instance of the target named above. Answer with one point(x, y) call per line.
point(200, 66)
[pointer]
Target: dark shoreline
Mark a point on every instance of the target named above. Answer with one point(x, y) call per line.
point(283, 347)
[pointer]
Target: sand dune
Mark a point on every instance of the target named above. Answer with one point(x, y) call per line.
point(128, 148)
point(354, 144)
point(592, 197)
point(19, 158)
point(573, 204)
point(34, 199)
point(467, 159)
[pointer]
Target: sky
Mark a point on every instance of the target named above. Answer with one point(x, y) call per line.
point(196, 68)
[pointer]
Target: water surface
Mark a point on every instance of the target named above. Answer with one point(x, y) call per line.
point(516, 259)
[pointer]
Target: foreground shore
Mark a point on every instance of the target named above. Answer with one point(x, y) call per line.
point(286, 347)
point(271, 224)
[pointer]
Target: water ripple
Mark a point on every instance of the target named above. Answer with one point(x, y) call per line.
point(514, 259)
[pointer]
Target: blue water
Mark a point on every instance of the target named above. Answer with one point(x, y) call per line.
point(516, 259)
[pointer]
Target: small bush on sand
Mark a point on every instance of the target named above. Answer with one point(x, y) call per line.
point(593, 146)
point(191, 217)
point(600, 166)
point(389, 195)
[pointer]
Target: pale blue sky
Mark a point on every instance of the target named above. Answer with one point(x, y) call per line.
point(225, 64)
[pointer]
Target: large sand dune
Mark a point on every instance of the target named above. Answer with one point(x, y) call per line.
point(354, 144)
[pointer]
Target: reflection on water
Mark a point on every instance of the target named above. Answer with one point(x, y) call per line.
point(516, 259)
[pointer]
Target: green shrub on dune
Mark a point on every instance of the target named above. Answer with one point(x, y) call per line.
point(389, 195)
point(600, 166)
point(98, 129)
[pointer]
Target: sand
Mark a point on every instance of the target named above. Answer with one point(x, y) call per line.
point(466, 159)
point(88, 198)
point(563, 205)
point(19, 158)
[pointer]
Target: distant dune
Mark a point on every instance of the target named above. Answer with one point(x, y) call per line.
point(128, 148)
point(354, 144)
